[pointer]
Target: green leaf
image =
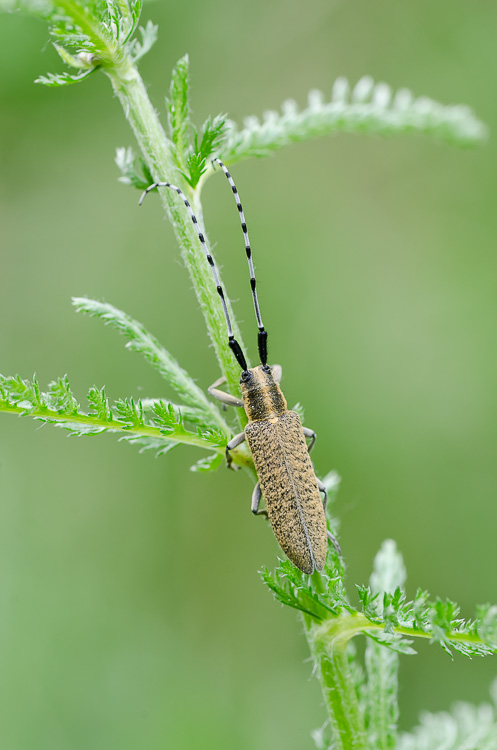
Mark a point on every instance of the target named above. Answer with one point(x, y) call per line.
point(178, 108)
point(285, 594)
point(59, 407)
point(134, 171)
point(165, 416)
point(188, 413)
point(24, 395)
point(136, 10)
point(389, 572)
point(82, 61)
point(63, 79)
point(138, 48)
point(294, 589)
point(158, 446)
point(486, 622)
point(196, 167)
point(420, 610)
point(209, 463)
point(392, 644)
point(382, 664)
point(367, 108)
point(169, 420)
point(99, 404)
point(464, 727)
point(129, 413)
point(214, 437)
point(370, 602)
point(85, 27)
point(332, 482)
point(61, 398)
point(140, 340)
point(98, 30)
point(212, 133)
point(42, 8)
point(323, 737)
point(299, 409)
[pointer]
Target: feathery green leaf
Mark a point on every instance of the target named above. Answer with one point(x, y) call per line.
point(464, 727)
point(137, 48)
point(367, 108)
point(299, 409)
point(63, 79)
point(99, 404)
point(61, 398)
point(129, 413)
point(59, 407)
point(212, 134)
point(178, 109)
point(382, 664)
point(156, 445)
point(209, 463)
point(134, 170)
point(136, 10)
point(188, 413)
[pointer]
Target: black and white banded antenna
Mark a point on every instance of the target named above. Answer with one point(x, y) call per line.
point(262, 336)
point(233, 343)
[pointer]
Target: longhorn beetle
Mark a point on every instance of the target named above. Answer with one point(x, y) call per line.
point(275, 435)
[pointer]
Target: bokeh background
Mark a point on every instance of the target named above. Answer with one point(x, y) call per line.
point(131, 612)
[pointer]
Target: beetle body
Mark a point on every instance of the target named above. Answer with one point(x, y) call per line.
point(286, 476)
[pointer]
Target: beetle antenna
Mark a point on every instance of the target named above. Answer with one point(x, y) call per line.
point(262, 336)
point(233, 343)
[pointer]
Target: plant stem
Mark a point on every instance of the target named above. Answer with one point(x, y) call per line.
point(156, 150)
point(328, 642)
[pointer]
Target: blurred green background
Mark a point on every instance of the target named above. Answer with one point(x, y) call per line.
point(378, 281)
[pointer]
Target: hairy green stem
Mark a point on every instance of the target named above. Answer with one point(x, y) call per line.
point(328, 643)
point(157, 152)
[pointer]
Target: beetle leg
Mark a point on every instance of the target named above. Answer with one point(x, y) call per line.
point(256, 499)
point(331, 537)
point(310, 434)
point(334, 542)
point(233, 443)
point(322, 488)
point(277, 373)
point(226, 398)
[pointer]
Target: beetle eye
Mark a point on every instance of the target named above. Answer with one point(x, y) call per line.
point(245, 376)
point(266, 368)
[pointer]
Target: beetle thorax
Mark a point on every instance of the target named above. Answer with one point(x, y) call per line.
point(262, 396)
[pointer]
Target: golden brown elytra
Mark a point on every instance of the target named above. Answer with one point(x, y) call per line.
point(284, 469)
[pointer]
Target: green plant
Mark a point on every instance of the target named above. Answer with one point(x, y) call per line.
point(361, 705)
